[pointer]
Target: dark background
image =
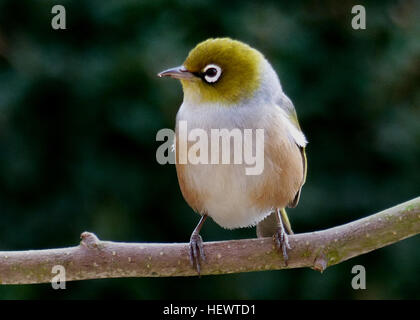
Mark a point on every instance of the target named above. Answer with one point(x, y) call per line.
point(80, 109)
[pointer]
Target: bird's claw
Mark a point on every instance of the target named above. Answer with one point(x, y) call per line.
point(196, 251)
point(281, 240)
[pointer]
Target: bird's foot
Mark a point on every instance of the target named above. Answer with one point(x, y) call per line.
point(196, 251)
point(281, 240)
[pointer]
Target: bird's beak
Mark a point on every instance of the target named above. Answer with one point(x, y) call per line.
point(178, 73)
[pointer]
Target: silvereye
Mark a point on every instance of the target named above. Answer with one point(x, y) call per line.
point(228, 84)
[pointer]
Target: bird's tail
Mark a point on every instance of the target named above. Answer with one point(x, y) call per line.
point(268, 226)
point(286, 221)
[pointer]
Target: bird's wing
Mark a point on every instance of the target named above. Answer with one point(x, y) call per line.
point(287, 106)
point(268, 226)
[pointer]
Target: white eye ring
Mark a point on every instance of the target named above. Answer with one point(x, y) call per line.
point(214, 76)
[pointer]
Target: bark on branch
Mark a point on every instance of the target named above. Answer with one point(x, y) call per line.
point(94, 259)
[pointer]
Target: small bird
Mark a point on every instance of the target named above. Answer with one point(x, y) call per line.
point(228, 84)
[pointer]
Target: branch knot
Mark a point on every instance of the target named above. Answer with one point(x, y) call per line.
point(89, 240)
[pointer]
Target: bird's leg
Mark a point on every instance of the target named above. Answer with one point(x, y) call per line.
point(196, 251)
point(281, 238)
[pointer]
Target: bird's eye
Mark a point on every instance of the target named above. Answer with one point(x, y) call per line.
point(212, 73)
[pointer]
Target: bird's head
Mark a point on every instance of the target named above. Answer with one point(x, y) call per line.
point(221, 70)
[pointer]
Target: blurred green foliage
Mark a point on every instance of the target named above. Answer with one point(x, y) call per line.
point(80, 108)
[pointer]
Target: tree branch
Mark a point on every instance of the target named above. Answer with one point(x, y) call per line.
point(94, 259)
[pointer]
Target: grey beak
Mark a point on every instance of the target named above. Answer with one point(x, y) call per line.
point(178, 73)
